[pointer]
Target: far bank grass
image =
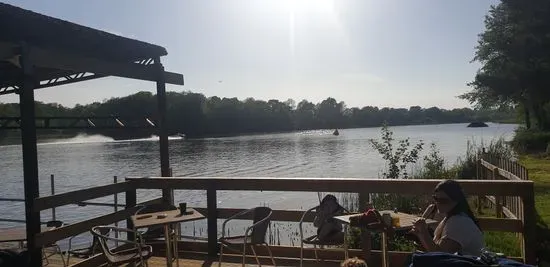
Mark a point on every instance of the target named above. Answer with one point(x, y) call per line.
point(539, 172)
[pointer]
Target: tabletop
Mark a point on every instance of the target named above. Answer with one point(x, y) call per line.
point(172, 216)
point(16, 234)
point(406, 220)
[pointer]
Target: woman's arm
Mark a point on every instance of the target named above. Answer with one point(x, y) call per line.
point(445, 245)
point(429, 212)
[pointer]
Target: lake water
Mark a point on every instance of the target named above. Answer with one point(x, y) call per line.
point(87, 161)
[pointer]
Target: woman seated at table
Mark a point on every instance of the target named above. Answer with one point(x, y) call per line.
point(459, 231)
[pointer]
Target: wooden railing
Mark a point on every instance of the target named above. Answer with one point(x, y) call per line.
point(522, 189)
point(508, 165)
point(505, 206)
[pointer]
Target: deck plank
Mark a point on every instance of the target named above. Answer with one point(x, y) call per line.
point(55, 261)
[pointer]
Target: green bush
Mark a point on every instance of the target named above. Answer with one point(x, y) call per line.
point(530, 141)
point(465, 167)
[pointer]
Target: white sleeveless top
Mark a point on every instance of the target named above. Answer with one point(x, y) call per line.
point(461, 229)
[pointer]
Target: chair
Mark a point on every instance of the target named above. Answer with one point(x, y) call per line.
point(115, 257)
point(314, 239)
point(253, 236)
point(56, 249)
point(86, 252)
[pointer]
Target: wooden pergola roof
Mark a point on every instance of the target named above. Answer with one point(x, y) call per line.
point(56, 43)
point(38, 51)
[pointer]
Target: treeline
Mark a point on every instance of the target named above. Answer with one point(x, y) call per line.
point(196, 115)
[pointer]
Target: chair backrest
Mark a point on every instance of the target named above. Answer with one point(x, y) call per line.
point(100, 233)
point(326, 225)
point(258, 233)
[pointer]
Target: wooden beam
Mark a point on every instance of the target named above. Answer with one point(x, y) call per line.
point(162, 131)
point(8, 51)
point(487, 224)
point(30, 155)
point(52, 236)
point(530, 233)
point(212, 220)
point(399, 186)
point(506, 175)
point(64, 61)
point(81, 79)
point(487, 165)
point(278, 215)
point(505, 210)
point(73, 197)
point(501, 225)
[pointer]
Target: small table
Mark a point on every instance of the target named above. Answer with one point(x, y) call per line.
point(17, 234)
point(172, 217)
point(406, 222)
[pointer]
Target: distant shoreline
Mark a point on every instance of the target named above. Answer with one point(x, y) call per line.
point(14, 138)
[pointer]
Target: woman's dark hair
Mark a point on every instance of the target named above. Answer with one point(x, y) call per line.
point(453, 190)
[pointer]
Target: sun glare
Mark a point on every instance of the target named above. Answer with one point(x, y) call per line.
point(306, 6)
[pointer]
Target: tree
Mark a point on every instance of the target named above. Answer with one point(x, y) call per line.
point(305, 115)
point(513, 51)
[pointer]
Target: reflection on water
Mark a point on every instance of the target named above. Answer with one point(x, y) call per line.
point(82, 163)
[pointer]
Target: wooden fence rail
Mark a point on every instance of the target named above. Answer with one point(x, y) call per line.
point(517, 188)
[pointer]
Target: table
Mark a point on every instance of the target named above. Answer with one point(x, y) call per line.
point(406, 222)
point(172, 217)
point(17, 234)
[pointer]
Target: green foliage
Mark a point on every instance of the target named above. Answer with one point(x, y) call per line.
point(507, 243)
point(513, 52)
point(434, 164)
point(398, 155)
point(398, 158)
point(530, 141)
point(466, 166)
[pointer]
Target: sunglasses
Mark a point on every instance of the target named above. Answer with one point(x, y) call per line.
point(441, 200)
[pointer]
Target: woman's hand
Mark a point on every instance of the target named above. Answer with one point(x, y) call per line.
point(420, 228)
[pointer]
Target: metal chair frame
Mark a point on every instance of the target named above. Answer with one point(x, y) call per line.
point(93, 248)
point(139, 247)
point(57, 250)
point(320, 244)
point(248, 233)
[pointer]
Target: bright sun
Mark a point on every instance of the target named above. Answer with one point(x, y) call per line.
point(306, 6)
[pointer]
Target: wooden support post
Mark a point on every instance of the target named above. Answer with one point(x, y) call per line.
point(30, 158)
point(212, 214)
point(167, 194)
point(529, 226)
point(366, 240)
point(115, 202)
point(479, 175)
point(131, 201)
point(498, 199)
point(52, 185)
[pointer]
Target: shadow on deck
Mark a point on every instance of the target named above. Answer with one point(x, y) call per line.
point(202, 260)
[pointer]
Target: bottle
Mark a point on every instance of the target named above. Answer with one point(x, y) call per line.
point(395, 221)
point(387, 219)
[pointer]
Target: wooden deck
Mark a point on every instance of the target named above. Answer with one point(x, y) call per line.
point(197, 260)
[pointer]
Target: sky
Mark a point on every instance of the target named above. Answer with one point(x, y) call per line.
point(386, 53)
